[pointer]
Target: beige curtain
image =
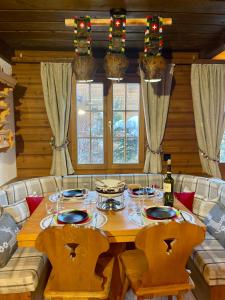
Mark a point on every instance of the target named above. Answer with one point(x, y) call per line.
point(208, 93)
point(155, 98)
point(57, 88)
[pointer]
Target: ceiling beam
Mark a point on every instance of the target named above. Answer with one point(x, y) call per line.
point(5, 51)
point(210, 53)
point(129, 21)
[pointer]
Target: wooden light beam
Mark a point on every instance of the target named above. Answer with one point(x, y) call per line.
point(129, 21)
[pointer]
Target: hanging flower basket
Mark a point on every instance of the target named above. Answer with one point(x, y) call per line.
point(153, 67)
point(115, 65)
point(84, 68)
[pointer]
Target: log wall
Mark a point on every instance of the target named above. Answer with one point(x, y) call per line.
point(33, 132)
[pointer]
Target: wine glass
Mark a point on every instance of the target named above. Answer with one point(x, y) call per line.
point(58, 199)
point(49, 206)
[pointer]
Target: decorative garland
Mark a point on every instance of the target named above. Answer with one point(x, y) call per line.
point(82, 31)
point(208, 157)
point(153, 41)
point(158, 151)
point(117, 33)
point(61, 147)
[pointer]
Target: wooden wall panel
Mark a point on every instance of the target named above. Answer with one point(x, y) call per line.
point(34, 153)
point(180, 137)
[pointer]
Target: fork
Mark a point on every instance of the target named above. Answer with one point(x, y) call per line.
point(139, 214)
point(95, 219)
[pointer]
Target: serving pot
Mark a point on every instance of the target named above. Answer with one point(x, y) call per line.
point(110, 186)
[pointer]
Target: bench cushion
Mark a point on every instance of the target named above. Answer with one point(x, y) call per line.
point(19, 211)
point(215, 222)
point(22, 272)
point(209, 258)
point(8, 242)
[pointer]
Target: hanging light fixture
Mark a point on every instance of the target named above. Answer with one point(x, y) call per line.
point(84, 64)
point(115, 61)
point(152, 62)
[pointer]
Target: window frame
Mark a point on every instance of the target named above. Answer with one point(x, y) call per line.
point(108, 166)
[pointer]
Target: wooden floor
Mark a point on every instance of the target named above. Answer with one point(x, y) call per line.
point(131, 296)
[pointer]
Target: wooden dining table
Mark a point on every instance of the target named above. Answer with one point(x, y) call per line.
point(118, 227)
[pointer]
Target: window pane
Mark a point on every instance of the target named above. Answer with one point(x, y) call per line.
point(126, 110)
point(222, 150)
point(133, 96)
point(90, 120)
point(83, 124)
point(83, 151)
point(97, 124)
point(97, 97)
point(131, 150)
point(119, 95)
point(118, 124)
point(82, 94)
point(132, 124)
point(97, 151)
point(118, 150)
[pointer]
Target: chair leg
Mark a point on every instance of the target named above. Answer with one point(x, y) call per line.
point(125, 288)
point(180, 296)
point(170, 297)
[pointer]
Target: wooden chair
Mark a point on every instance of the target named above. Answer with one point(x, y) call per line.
point(157, 267)
point(77, 270)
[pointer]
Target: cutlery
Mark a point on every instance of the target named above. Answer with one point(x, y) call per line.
point(183, 216)
point(95, 219)
point(50, 223)
point(139, 214)
point(99, 180)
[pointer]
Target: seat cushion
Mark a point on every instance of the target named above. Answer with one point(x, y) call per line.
point(19, 211)
point(209, 258)
point(22, 272)
point(8, 242)
point(135, 264)
point(215, 222)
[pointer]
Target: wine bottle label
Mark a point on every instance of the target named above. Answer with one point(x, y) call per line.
point(167, 187)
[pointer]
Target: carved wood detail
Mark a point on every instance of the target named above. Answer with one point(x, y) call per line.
point(6, 135)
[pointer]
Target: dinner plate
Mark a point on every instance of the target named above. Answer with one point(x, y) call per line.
point(143, 191)
point(73, 217)
point(148, 192)
point(160, 212)
point(73, 193)
point(97, 222)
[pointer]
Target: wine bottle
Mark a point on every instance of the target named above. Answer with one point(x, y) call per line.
point(168, 186)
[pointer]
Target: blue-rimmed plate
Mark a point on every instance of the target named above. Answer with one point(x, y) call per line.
point(73, 193)
point(73, 217)
point(148, 192)
point(160, 212)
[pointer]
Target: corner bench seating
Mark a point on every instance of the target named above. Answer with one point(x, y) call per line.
point(208, 260)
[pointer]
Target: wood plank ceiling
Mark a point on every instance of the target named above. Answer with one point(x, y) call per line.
point(39, 25)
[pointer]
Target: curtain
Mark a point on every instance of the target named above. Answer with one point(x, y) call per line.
point(156, 98)
point(57, 88)
point(208, 93)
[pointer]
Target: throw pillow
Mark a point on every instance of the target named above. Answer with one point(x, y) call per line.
point(202, 206)
point(19, 211)
point(186, 198)
point(8, 242)
point(33, 202)
point(215, 222)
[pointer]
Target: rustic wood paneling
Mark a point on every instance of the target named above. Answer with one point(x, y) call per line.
point(40, 25)
point(180, 137)
point(34, 153)
point(32, 127)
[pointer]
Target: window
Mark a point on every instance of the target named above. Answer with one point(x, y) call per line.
point(126, 110)
point(90, 133)
point(222, 150)
point(105, 131)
